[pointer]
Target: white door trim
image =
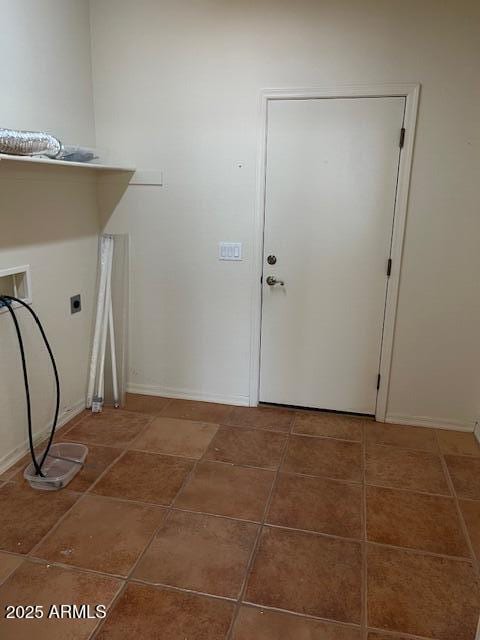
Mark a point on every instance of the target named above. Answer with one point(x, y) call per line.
point(411, 92)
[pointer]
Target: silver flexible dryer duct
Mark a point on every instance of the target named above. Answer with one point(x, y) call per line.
point(29, 143)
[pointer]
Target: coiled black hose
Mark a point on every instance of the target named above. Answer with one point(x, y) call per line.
point(7, 300)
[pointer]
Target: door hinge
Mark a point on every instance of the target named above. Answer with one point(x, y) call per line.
point(389, 267)
point(402, 137)
point(379, 377)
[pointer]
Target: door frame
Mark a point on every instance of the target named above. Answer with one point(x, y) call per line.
point(411, 93)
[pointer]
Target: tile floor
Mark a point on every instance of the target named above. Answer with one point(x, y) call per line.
point(197, 521)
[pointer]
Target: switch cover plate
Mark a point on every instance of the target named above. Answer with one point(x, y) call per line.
point(230, 251)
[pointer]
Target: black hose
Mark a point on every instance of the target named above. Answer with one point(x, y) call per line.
point(6, 299)
point(8, 304)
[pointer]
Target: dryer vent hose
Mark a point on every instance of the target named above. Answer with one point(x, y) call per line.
point(29, 143)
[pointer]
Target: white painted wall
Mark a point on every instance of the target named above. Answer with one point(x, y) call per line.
point(45, 68)
point(176, 88)
point(48, 218)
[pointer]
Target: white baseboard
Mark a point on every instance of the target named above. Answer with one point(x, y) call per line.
point(186, 394)
point(430, 423)
point(16, 454)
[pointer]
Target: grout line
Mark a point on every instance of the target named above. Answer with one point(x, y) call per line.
point(55, 526)
point(470, 456)
point(15, 554)
point(10, 473)
point(88, 490)
point(465, 499)
point(385, 445)
point(239, 427)
point(419, 491)
point(74, 567)
point(156, 414)
point(298, 434)
point(463, 524)
point(292, 424)
point(149, 418)
point(140, 503)
point(90, 444)
point(87, 413)
point(322, 534)
point(110, 605)
point(303, 616)
point(214, 515)
point(398, 634)
point(319, 477)
point(353, 483)
point(322, 437)
point(199, 461)
point(364, 618)
point(169, 587)
point(125, 449)
point(172, 587)
point(10, 482)
point(125, 578)
point(256, 543)
point(203, 459)
point(4, 577)
point(225, 422)
point(158, 587)
point(421, 552)
point(443, 496)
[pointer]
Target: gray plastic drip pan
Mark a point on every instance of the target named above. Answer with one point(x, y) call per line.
point(64, 461)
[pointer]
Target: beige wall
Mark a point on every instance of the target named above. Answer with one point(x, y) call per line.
point(48, 218)
point(176, 88)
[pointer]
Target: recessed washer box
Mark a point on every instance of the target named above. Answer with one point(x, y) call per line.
point(16, 282)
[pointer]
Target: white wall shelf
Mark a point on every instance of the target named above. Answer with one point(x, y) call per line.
point(32, 160)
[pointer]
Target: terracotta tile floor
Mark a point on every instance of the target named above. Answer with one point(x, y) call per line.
point(199, 521)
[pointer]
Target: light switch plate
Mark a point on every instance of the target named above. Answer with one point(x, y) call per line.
point(230, 251)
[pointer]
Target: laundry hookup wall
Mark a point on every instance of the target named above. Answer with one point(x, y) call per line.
point(48, 217)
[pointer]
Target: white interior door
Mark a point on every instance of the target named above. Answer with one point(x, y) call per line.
point(331, 176)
